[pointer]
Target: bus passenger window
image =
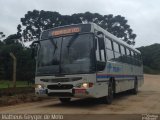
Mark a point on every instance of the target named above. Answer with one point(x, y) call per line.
point(116, 47)
point(110, 55)
point(102, 55)
point(128, 52)
point(97, 50)
point(122, 50)
point(108, 44)
point(132, 53)
point(117, 56)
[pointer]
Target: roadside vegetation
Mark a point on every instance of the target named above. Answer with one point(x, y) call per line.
point(9, 84)
point(151, 58)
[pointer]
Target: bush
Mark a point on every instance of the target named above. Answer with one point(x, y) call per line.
point(149, 70)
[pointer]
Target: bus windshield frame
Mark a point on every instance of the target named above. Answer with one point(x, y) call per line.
point(71, 54)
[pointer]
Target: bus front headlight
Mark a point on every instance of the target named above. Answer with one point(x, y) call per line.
point(85, 85)
point(39, 86)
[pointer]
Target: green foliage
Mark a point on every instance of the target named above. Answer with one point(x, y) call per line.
point(34, 22)
point(149, 70)
point(151, 58)
point(6, 84)
point(2, 35)
point(25, 64)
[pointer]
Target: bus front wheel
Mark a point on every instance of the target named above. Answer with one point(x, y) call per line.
point(108, 99)
point(65, 100)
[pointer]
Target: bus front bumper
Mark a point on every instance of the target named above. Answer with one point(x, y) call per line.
point(75, 92)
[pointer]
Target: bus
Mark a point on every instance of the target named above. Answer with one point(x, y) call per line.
point(84, 60)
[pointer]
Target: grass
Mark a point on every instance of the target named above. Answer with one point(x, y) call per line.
point(7, 83)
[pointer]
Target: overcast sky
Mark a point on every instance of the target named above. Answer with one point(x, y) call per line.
point(143, 15)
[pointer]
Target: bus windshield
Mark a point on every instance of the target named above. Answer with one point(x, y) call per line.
point(66, 55)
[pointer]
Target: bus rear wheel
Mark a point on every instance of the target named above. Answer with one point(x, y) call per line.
point(135, 89)
point(65, 100)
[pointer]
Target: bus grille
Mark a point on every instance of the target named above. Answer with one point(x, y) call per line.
point(61, 94)
point(60, 87)
point(55, 80)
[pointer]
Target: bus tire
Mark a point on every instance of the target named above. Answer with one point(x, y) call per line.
point(135, 89)
point(109, 97)
point(65, 100)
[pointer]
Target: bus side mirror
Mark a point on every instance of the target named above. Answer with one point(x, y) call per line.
point(34, 48)
point(100, 40)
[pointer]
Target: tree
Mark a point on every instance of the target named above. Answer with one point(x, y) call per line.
point(117, 25)
point(25, 64)
point(1, 66)
point(2, 35)
point(11, 39)
point(151, 56)
point(34, 22)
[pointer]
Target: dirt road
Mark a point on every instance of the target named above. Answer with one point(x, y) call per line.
point(146, 101)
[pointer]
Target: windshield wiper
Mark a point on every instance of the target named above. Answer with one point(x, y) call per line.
point(54, 44)
point(72, 40)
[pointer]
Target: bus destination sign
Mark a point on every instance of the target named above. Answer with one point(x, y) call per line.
point(60, 31)
point(66, 31)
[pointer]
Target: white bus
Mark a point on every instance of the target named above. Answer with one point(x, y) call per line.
point(84, 60)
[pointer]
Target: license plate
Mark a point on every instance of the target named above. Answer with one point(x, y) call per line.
point(80, 91)
point(42, 91)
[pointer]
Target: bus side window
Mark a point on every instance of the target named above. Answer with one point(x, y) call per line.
point(102, 49)
point(123, 57)
point(109, 48)
point(97, 50)
point(132, 57)
point(108, 44)
point(110, 55)
point(116, 47)
point(100, 53)
point(119, 46)
point(136, 59)
point(128, 52)
point(139, 60)
point(116, 52)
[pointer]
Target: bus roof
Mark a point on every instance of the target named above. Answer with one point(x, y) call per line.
point(91, 27)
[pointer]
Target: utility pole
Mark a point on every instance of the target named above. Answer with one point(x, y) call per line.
point(14, 69)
